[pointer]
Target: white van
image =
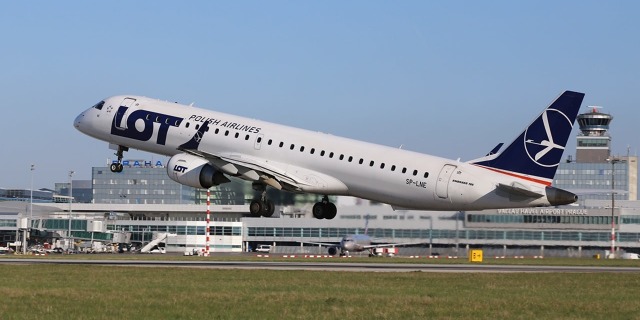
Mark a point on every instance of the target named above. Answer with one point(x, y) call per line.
point(263, 248)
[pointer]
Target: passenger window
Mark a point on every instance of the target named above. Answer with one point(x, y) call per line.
point(187, 126)
point(217, 130)
point(393, 167)
point(415, 172)
point(331, 155)
point(226, 133)
point(247, 138)
point(269, 141)
point(426, 174)
point(404, 170)
point(302, 149)
point(341, 156)
point(371, 164)
point(292, 146)
point(350, 158)
point(197, 126)
point(361, 161)
point(382, 166)
point(237, 134)
point(281, 144)
point(322, 153)
point(312, 150)
point(259, 139)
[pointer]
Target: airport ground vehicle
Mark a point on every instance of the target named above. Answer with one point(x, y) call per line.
point(265, 248)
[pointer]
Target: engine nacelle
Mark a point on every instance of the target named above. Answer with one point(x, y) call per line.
point(194, 171)
point(333, 251)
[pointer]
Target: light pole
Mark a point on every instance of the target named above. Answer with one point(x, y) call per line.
point(70, 200)
point(33, 167)
point(613, 204)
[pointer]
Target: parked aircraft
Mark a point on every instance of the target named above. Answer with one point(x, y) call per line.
point(207, 147)
point(358, 243)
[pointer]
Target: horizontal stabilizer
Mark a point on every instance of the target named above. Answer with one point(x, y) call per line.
point(518, 191)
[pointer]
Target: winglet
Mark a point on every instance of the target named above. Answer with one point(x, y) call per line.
point(537, 151)
point(495, 149)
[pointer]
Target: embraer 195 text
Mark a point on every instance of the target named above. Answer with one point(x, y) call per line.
point(207, 147)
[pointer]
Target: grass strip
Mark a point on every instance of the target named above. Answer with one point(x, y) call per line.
point(97, 292)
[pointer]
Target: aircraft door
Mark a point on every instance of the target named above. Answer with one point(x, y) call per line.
point(123, 113)
point(258, 144)
point(442, 185)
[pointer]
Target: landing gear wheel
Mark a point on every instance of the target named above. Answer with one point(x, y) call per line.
point(268, 209)
point(117, 167)
point(330, 211)
point(318, 210)
point(324, 209)
point(255, 208)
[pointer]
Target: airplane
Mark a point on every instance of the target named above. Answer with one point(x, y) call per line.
point(207, 147)
point(358, 243)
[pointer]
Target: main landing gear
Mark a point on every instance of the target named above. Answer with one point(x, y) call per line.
point(324, 209)
point(261, 206)
point(117, 167)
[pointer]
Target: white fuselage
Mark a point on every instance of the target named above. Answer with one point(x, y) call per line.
point(327, 164)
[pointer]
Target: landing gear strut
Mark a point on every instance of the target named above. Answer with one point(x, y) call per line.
point(261, 206)
point(117, 167)
point(324, 209)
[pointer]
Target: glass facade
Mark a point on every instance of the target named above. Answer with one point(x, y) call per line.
point(25, 195)
point(503, 219)
point(12, 223)
point(595, 177)
point(152, 185)
point(460, 235)
point(139, 185)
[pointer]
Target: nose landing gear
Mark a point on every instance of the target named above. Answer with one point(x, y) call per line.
point(117, 167)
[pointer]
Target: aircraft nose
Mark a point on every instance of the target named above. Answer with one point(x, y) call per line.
point(78, 121)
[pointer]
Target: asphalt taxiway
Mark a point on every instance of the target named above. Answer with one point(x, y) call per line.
point(329, 266)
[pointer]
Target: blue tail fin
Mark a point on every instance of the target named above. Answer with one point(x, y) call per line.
point(537, 151)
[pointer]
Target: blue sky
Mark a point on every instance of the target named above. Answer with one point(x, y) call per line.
point(449, 78)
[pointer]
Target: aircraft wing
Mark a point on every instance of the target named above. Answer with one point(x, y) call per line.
point(254, 169)
point(326, 244)
point(384, 245)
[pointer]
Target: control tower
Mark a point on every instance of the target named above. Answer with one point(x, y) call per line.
point(594, 141)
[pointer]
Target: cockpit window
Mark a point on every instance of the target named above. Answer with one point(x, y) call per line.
point(99, 105)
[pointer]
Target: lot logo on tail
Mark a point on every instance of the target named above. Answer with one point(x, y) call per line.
point(539, 140)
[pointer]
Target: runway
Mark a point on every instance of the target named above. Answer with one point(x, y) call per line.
point(331, 266)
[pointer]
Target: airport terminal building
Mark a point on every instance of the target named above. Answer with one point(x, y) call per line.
point(532, 231)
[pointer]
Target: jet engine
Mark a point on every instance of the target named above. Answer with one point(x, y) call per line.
point(333, 250)
point(194, 171)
